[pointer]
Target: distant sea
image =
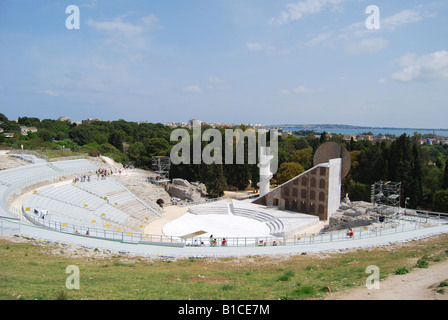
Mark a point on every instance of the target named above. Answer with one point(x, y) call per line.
point(358, 130)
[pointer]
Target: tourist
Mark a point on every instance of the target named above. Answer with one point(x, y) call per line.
point(350, 233)
point(224, 242)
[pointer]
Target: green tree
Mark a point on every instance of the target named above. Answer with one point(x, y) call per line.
point(3, 118)
point(45, 134)
point(440, 201)
point(116, 138)
point(136, 151)
point(323, 137)
point(254, 176)
point(158, 147)
point(288, 171)
point(445, 177)
point(237, 175)
point(304, 157)
point(213, 178)
point(29, 122)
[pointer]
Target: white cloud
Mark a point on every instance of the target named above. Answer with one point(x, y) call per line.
point(193, 88)
point(428, 67)
point(91, 5)
point(300, 90)
point(127, 37)
point(267, 49)
point(49, 93)
point(352, 33)
point(322, 37)
point(371, 45)
point(401, 18)
point(254, 46)
point(218, 83)
point(216, 79)
point(117, 28)
point(296, 11)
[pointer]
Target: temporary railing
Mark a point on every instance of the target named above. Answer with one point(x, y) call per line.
point(392, 226)
point(389, 227)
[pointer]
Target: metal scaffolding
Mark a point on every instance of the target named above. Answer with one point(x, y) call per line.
point(386, 193)
point(161, 166)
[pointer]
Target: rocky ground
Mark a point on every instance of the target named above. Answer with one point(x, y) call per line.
point(358, 214)
point(7, 162)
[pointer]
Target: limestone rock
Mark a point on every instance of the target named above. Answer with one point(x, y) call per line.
point(183, 190)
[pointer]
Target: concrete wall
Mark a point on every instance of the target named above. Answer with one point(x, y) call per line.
point(334, 186)
point(316, 192)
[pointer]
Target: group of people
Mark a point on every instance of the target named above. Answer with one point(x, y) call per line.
point(83, 178)
point(214, 242)
point(263, 243)
point(41, 214)
point(103, 173)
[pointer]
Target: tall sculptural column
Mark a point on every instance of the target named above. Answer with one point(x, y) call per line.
point(265, 170)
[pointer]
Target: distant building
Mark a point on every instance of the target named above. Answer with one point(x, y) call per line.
point(176, 124)
point(90, 120)
point(191, 123)
point(286, 134)
point(65, 119)
point(349, 137)
point(24, 130)
point(365, 137)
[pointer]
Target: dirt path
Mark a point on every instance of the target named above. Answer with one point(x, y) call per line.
point(416, 285)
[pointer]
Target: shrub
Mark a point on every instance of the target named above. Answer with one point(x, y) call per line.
point(286, 276)
point(422, 263)
point(402, 270)
point(228, 287)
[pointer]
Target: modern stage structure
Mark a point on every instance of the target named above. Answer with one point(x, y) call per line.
point(317, 191)
point(265, 170)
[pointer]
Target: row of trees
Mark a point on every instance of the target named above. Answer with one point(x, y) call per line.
point(422, 169)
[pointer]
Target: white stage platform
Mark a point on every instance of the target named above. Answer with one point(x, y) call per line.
point(238, 219)
point(218, 225)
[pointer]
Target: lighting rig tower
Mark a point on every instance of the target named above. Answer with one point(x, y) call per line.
point(386, 193)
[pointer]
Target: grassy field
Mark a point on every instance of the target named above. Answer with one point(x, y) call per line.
point(31, 270)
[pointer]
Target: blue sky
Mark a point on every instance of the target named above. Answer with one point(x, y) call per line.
point(236, 61)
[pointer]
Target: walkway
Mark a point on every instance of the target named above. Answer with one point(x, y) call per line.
point(158, 250)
